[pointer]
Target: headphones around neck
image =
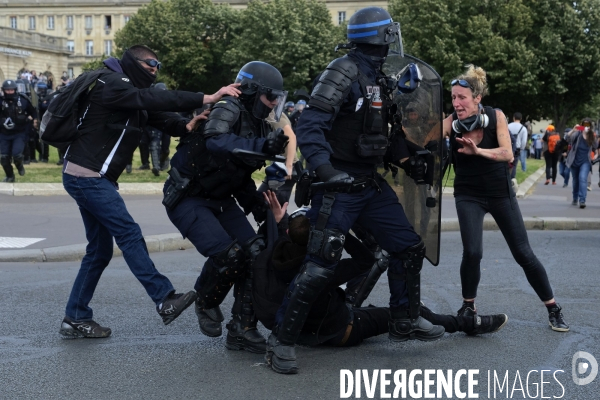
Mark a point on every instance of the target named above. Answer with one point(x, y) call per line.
point(480, 120)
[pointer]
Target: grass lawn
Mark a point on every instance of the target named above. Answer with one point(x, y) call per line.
point(51, 173)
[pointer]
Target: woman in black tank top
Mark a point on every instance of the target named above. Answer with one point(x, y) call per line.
point(481, 150)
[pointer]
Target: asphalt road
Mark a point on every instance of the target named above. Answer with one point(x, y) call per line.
point(144, 359)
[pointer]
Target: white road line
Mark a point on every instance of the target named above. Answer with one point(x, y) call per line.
point(17, 243)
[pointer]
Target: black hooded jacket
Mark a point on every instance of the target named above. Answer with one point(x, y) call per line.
point(113, 114)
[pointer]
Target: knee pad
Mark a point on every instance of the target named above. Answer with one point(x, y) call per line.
point(230, 261)
point(327, 244)
point(413, 257)
point(253, 246)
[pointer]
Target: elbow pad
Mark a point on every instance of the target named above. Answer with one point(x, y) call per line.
point(222, 117)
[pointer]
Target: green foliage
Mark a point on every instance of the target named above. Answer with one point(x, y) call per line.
point(295, 36)
point(92, 65)
point(189, 36)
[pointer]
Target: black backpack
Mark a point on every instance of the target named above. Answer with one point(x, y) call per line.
point(59, 123)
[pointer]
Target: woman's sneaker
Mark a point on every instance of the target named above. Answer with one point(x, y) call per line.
point(466, 310)
point(85, 329)
point(556, 320)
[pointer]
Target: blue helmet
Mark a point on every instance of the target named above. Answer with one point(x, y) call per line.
point(374, 25)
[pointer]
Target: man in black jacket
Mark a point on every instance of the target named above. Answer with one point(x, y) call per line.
point(331, 320)
point(111, 117)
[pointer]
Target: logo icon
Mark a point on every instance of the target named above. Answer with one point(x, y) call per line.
point(581, 368)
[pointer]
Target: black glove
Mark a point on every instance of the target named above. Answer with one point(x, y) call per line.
point(327, 173)
point(275, 143)
point(415, 167)
point(259, 211)
point(255, 204)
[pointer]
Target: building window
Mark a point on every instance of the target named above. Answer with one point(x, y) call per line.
point(126, 18)
point(70, 73)
point(70, 22)
point(32, 23)
point(50, 22)
point(341, 17)
point(70, 45)
point(88, 22)
point(107, 22)
point(108, 47)
point(89, 47)
point(13, 22)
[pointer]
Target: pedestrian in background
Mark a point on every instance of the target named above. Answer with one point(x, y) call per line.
point(551, 139)
point(579, 159)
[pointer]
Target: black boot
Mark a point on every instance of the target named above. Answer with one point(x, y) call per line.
point(19, 164)
point(403, 328)
point(281, 358)
point(155, 158)
point(210, 320)
point(8, 169)
point(242, 333)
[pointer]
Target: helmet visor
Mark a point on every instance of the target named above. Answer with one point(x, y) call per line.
point(21, 88)
point(278, 97)
point(393, 36)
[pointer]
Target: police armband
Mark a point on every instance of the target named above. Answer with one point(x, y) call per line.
point(177, 190)
point(222, 117)
point(334, 84)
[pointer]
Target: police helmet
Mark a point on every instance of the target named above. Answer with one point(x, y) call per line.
point(301, 212)
point(21, 86)
point(289, 104)
point(8, 85)
point(374, 25)
point(160, 86)
point(258, 78)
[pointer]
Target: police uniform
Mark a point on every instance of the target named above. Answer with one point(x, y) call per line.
point(208, 214)
point(15, 115)
point(343, 134)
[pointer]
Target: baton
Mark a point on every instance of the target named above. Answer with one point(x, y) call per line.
point(255, 155)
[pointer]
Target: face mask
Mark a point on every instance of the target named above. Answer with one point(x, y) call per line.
point(586, 129)
point(140, 78)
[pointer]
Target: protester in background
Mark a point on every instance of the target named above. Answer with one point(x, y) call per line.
point(579, 159)
point(551, 139)
point(297, 112)
point(518, 133)
point(538, 146)
point(563, 170)
point(481, 152)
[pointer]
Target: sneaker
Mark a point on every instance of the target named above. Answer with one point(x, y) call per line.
point(210, 320)
point(467, 310)
point(582, 204)
point(144, 166)
point(547, 181)
point(85, 329)
point(574, 203)
point(487, 324)
point(556, 320)
point(174, 305)
point(9, 179)
point(554, 183)
point(240, 338)
point(589, 188)
point(281, 358)
point(565, 185)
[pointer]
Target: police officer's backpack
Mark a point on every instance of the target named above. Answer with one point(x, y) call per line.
point(59, 123)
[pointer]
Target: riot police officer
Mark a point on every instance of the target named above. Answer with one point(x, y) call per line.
point(15, 115)
point(343, 133)
point(205, 181)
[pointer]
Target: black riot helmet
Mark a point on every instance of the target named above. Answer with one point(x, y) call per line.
point(9, 84)
point(258, 78)
point(160, 86)
point(374, 26)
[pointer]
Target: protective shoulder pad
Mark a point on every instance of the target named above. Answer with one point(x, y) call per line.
point(333, 85)
point(222, 117)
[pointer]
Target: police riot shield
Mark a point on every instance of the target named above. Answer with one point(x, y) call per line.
point(418, 116)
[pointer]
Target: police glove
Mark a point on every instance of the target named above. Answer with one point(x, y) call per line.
point(327, 173)
point(415, 167)
point(275, 143)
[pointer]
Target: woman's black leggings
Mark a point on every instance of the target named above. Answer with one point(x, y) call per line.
point(506, 213)
point(551, 164)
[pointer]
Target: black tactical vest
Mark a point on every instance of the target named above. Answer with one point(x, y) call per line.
point(362, 136)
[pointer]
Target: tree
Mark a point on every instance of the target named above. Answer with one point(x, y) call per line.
point(190, 38)
point(295, 36)
point(92, 65)
point(567, 49)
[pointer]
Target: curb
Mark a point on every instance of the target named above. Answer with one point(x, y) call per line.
point(174, 241)
point(53, 189)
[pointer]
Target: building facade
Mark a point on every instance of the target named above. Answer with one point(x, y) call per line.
point(61, 35)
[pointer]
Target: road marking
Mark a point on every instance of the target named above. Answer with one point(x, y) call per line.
point(17, 243)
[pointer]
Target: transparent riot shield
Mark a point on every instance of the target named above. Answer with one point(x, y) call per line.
point(420, 115)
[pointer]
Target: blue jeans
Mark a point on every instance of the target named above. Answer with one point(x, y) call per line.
point(13, 144)
point(523, 158)
point(564, 171)
point(580, 175)
point(105, 217)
